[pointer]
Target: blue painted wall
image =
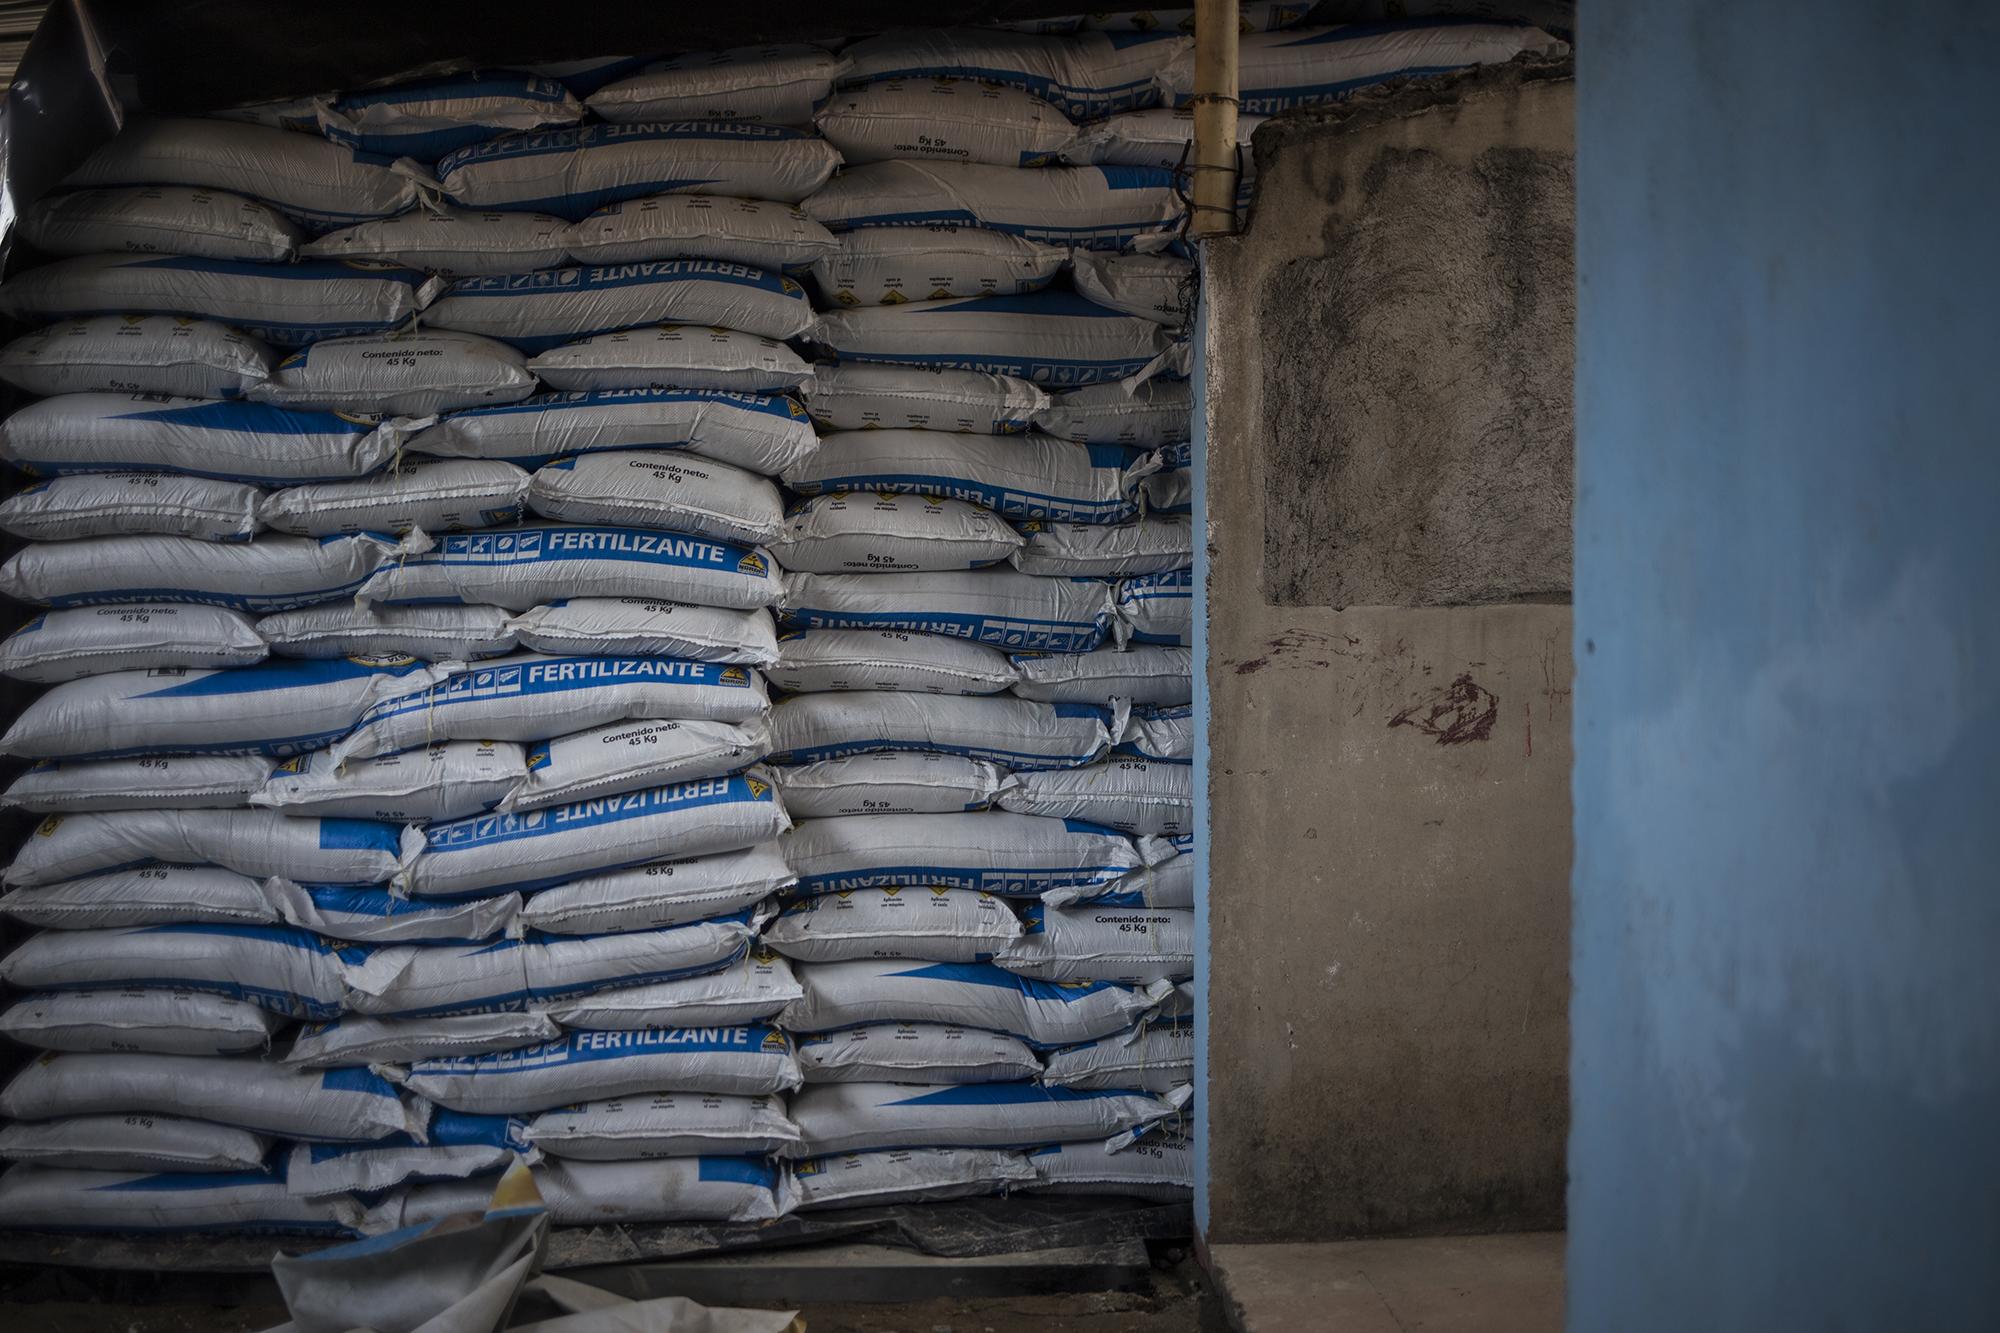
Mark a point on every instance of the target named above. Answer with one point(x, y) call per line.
point(1787, 953)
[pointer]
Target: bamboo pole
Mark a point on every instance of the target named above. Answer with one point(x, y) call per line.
point(1212, 163)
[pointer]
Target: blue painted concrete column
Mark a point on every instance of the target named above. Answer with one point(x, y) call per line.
point(1786, 1013)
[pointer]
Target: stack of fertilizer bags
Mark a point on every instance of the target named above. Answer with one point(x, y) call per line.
point(422, 478)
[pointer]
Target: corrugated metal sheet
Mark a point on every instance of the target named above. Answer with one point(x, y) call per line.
point(18, 20)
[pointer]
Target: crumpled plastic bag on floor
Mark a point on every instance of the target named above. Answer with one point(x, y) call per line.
point(470, 1273)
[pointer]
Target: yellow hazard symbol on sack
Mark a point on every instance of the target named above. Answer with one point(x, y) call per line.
point(752, 563)
point(48, 826)
point(893, 298)
point(757, 788)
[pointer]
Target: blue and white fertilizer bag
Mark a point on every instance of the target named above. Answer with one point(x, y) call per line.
point(286, 305)
point(665, 1189)
point(545, 309)
point(763, 433)
point(280, 968)
point(1159, 1057)
point(354, 1041)
point(659, 894)
point(443, 780)
point(629, 756)
point(943, 120)
point(1090, 208)
point(1138, 946)
point(537, 697)
point(891, 265)
point(179, 1203)
point(664, 1124)
point(935, 925)
point(1159, 1166)
point(750, 1060)
point(751, 991)
point(905, 1175)
point(137, 636)
point(1277, 71)
point(165, 354)
point(759, 232)
point(277, 573)
point(1018, 856)
point(257, 843)
point(1143, 674)
point(280, 707)
point(225, 440)
point(522, 567)
point(428, 494)
point(868, 397)
point(1166, 880)
point(1159, 287)
point(111, 504)
point(432, 633)
point(778, 85)
point(669, 356)
point(429, 119)
point(861, 532)
point(159, 1022)
point(1052, 338)
point(489, 854)
point(450, 242)
point(659, 488)
point(191, 782)
point(1142, 797)
point(856, 1117)
point(1160, 733)
point(330, 1106)
point(1085, 76)
point(814, 661)
point(1016, 476)
point(153, 895)
point(373, 915)
point(320, 184)
point(572, 173)
point(640, 627)
point(410, 372)
point(1018, 734)
point(1001, 607)
point(455, 1146)
point(888, 783)
point(160, 219)
point(584, 77)
point(1159, 137)
point(153, 1143)
point(1156, 608)
point(915, 1053)
point(1153, 544)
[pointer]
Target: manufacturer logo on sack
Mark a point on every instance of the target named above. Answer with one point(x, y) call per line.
point(752, 563)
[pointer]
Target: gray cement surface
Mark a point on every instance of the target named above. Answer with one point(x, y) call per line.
point(1472, 1284)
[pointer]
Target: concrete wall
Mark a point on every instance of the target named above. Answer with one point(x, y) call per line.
point(1787, 1008)
point(1387, 488)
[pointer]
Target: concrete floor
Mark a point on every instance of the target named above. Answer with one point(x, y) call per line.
point(1455, 1284)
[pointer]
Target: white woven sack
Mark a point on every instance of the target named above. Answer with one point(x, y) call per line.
point(536, 697)
point(409, 372)
point(432, 633)
point(935, 925)
point(446, 780)
point(431, 495)
point(1134, 945)
point(158, 1022)
point(1156, 608)
point(1029, 476)
point(640, 627)
point(357, 1041)
point(630, 756)
point(972, 995)
point(250, 842)
point(427, 118)
point(906, 1175)
point(188, 782)
point(854, 1117)
point(260, 1095)
point(232, 441)
point(658, 488)
point(1136, 796)
point(451, 242)
point(373, 915)
point(667, 1189)
point(889, 784)
point(133, 636)
point(1158, 1167)
point(286, 305)
point(461, 1146)
point(1055, 338)
point(1162, 732)
point(156, 895)
point(160, 219)
point(105, 504)
point(1158, 1057)
point(768, 235)
point(321, 184)
point(572, 173)
point(1017, 733)
point(503, 853)
point(1149, 545)
point(660, 894)
point(140, 1144)
point(751, 1060)
point(48, 1198)
point(1145, 416)
point(915, 1053)
point(278, 967)
point(1159, 674)
point(1161, 137)
point(747, 992)
point(1086, 76)
point(765, 433)
point(815, 661)
point(780, 84)
point(671, 356)
point(275, 708)
point(537, 311)
point(163, 354)
point(521, 567)
point(1095, 207)
point(993, 606)
point(862, 532)
point(662, 1124)
point(868, 397)
point(1155, 287)
point(1015, 855)
point(892, 265)
point(943, 120)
